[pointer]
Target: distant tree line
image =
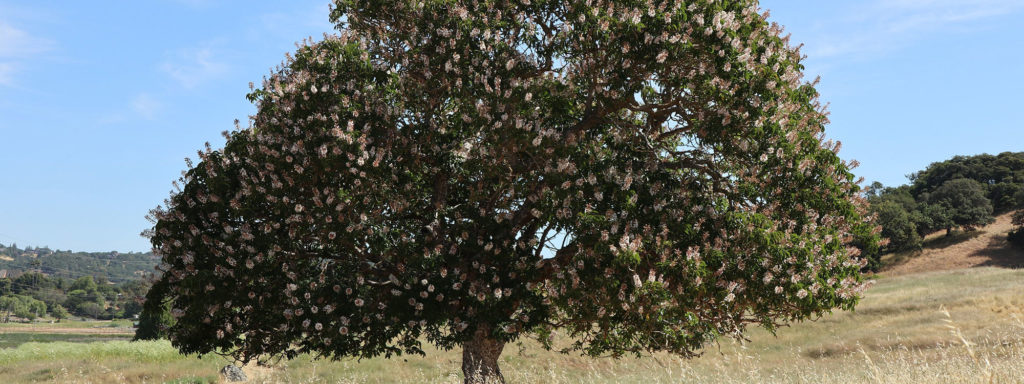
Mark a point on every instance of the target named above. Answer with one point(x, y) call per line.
point(963, 192)
point(32, 295)
point(115, 266)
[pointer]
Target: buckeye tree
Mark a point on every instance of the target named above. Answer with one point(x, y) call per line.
point(639, 175)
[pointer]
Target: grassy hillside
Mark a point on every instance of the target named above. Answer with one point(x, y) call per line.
point(952, 326)
point(985, 246)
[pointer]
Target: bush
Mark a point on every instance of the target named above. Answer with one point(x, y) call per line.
point(155, 319)
point(1004, 196)
point(1016, 236)
point(897, 226)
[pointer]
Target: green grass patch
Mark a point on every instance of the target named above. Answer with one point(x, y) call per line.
point(121, 323)
point(140, 351)
point(12, 340)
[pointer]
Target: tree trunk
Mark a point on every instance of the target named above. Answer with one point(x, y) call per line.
point(480, 358)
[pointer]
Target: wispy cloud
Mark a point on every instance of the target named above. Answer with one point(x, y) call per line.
point(910, 16)
point(17, 43)
point(195, 66)
point(142, 106)
point(146, 106)
point(884, 25)
point(16, 47)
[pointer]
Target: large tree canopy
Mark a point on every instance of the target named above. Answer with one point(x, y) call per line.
point(1002, 176)
point(644, 175)
point(965, 201)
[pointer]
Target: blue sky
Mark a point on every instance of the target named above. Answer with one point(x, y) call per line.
point(100, 104)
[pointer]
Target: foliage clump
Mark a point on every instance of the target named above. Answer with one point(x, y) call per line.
point(1016, 236)
point(645, 176)
point(965, 201)
point(20, 306)
point(155, 321)
point(898, 226)
point(1002, 177)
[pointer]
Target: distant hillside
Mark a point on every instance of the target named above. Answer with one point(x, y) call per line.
point(986, 246)
point(117, 267)
point(962, 193)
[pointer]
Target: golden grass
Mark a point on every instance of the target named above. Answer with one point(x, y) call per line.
point(960, 326)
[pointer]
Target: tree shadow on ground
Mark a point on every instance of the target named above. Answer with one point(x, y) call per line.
point(1001, 253)
point(954, 238)
point(898, 258)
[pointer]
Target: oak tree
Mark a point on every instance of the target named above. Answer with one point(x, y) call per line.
point(897, 226)
point(965, 201)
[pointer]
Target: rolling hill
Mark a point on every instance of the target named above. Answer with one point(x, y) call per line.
point(117, 267)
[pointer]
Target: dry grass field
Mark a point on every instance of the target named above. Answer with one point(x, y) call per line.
point(961, 326)
point(952, 313)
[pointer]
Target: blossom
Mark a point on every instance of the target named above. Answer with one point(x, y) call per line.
point(436, 155)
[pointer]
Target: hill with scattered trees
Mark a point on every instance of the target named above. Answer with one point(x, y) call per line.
point(33, 295)
point(964, 192)
point(36, 282)
point(113, 266)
